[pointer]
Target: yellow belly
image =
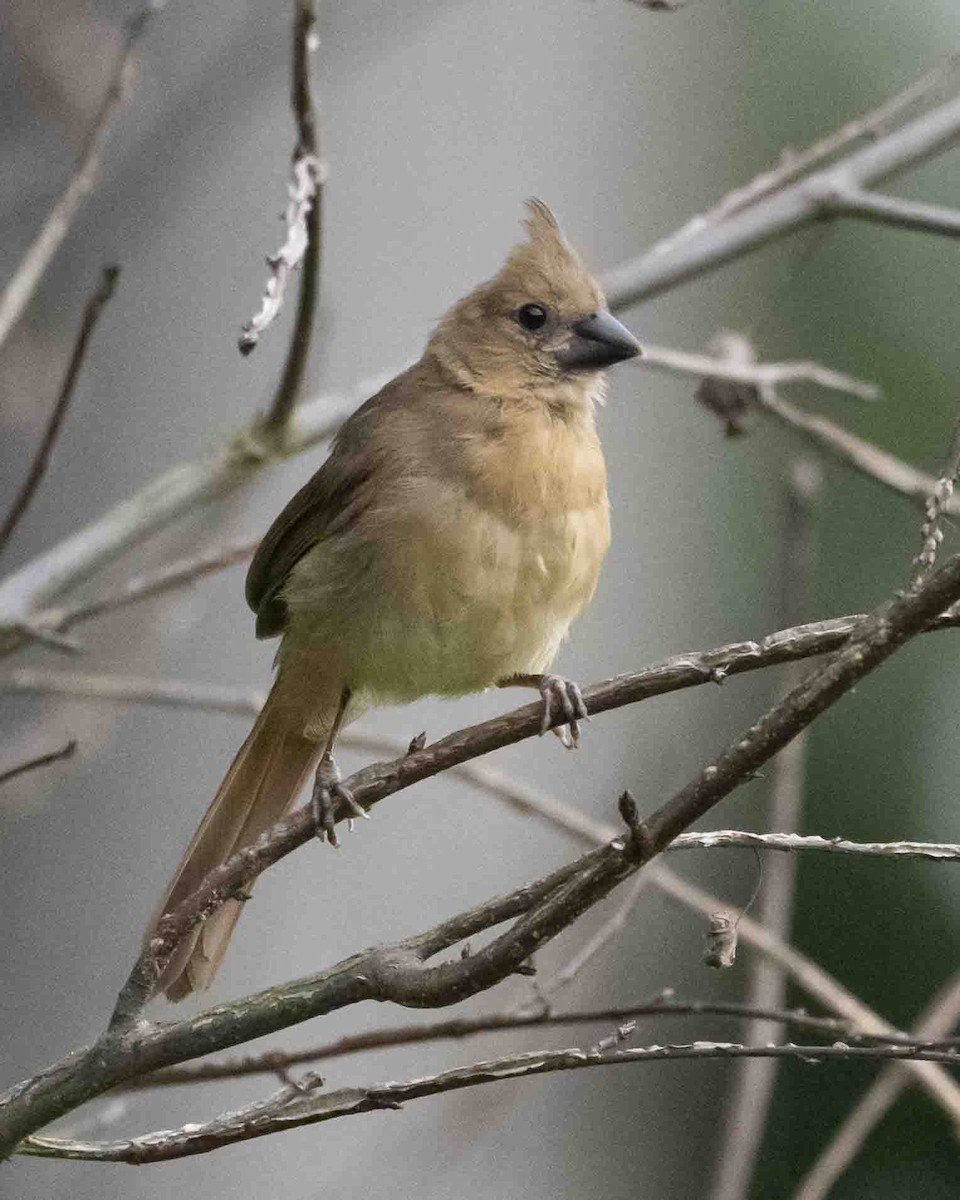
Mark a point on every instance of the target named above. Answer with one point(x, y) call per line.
point(463, 575)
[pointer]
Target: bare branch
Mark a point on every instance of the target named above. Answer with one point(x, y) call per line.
point(302, 244)
point(939, 80)
point(149, 584)
point(91, 314)
point(936, 503)
point(680, 362)
point(182, 489)
point(18, 292)
point(713, 838)
point(42, 760)
point(782, 211)
point(401, 973)
point(464, 1027)
point(887, 210)
point(866, 458)
point(547, 991)
point(808, 975)
point(293, 1107)
point(875, 639)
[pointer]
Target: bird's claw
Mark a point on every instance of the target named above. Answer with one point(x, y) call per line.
point(567, 695)
point(328, 794)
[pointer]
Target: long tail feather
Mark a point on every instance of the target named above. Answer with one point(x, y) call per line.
point(261, 784)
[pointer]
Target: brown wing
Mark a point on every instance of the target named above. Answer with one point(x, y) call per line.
point(327, 504)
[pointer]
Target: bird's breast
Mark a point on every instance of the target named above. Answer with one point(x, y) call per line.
point(487, 564)
point(473, 567)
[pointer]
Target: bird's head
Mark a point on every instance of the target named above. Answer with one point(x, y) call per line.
point(540, 329)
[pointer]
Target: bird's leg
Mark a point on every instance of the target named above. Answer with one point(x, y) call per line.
point(328, 791)
point(565, 694)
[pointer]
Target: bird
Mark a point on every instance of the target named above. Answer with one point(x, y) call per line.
point(446, 544)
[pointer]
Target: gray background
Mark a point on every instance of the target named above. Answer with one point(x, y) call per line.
point(437, 120)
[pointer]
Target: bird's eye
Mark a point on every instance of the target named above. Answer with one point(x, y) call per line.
point(532, 316)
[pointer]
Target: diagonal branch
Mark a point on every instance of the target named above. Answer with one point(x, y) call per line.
point(148, 584)
point(41, 760)
point(863, 456)
point(783, 211)
point(91, 314)
point(401, 973)
point(18, 292)
point(938, 81)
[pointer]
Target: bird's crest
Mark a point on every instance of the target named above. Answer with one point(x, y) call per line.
point(546, 267)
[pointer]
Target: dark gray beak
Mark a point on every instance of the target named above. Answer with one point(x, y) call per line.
point(598, 341)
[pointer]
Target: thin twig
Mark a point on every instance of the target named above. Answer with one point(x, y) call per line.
point(941, 78)
point(938, 1019)
point(183, 489)
point(548, 990)
point(302, 243)
point(18, 292)
point(41, 460)
point(459, 1028)
point(293, 1107)
point(782, 211)
point(863, 456)
point(938, 500)
point(680, 362)
point(888, 210)
point(42, 760)
point(148, 584)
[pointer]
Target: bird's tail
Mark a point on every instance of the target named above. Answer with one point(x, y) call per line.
point(262, 783)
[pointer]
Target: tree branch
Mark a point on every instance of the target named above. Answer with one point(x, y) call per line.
point(18, 292)
point(888, 210)
point(91, 314)
point(401, 973)
point(782, 211)
point(302, 244)
point(171, 495)
point(939, 80)
point(42, 760)
point(273, 1061)
point(294, 1106)
point(680, 362)
point(863, 456)
point(457, 1028)
point(148, 584)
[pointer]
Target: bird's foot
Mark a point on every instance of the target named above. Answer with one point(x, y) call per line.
point(328, 794)
point(560, 696)
point(565, 695)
